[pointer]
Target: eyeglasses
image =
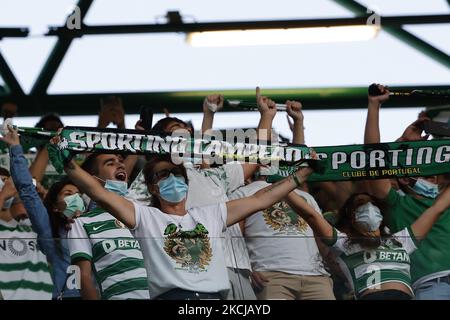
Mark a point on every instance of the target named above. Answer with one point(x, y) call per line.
point(176, 171)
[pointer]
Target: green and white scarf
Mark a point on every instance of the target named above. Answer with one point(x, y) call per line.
point(83, 139)
point(379, 161)
point(337, 163)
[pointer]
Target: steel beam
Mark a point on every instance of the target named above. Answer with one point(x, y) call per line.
point(396, 21)
point(13, 32)
point(191, 101)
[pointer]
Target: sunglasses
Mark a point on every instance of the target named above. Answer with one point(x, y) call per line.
point(165, 173)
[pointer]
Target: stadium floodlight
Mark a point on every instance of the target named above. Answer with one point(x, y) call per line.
point(282, 36)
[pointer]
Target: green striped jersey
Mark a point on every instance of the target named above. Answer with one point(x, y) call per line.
point(116, 256)
point(24, 271)
point(368, 269)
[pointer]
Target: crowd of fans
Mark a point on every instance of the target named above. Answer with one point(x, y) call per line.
point(142, 227)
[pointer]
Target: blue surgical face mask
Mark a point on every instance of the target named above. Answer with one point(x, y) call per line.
point(173, 189)
point(426, 188)
point(368, 216)
point(116, 186)
point(73, 203)
point(8, 202)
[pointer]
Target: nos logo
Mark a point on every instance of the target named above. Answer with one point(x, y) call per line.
point(18, 247)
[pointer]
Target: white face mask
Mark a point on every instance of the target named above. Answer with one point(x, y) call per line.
point(368, 216)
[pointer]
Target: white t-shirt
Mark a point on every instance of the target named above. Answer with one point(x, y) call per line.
point(183, 251)
point(207, 187)
point(280, 240)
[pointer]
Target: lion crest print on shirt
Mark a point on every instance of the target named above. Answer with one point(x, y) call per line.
point(282, 219)
point(191, 250)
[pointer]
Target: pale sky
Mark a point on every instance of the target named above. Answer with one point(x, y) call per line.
point(164, 62)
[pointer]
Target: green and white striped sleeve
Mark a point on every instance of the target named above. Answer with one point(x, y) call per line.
point(80, 247)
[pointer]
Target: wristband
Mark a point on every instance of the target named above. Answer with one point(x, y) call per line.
point(211, 106)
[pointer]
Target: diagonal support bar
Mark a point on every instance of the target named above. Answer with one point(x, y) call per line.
point(420, 45)
point(56, 56)
point(13, 86)
point(401, 34)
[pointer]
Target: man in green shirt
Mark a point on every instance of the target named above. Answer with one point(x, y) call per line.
point(430, 264)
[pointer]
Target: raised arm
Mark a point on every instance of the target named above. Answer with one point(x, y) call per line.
point(116, 205)
point(425, 222)
point(130, 162)
point(294, 110)
point(379, 187)
point(242, 208)
point(268, 110)
point(111, 111)
point(414, 131)
point(36, 210)
point(211, 105)
point(372, 130)
point(39, 165)
point(315, 220)
point(37, 213)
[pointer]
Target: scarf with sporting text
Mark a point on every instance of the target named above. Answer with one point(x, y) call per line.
point(336, 163)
